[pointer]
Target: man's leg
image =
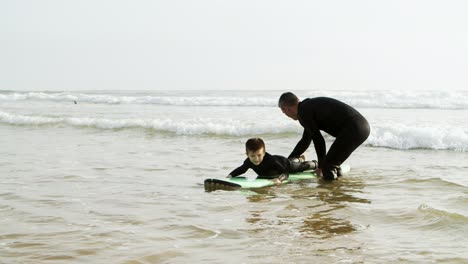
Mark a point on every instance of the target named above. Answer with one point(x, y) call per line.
point(349, 140)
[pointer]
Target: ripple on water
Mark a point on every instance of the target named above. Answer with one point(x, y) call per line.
point(439, 219)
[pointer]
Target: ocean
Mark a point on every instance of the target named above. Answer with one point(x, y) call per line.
point(117, 177)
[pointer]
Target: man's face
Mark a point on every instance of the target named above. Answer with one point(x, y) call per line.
point(289, 111)
point(256, 157)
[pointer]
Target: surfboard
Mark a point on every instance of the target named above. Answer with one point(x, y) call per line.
point(236, 183)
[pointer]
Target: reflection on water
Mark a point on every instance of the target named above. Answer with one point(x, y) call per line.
point(342, 191)
point(314, 210)
point(255, 217)
point(320, 225)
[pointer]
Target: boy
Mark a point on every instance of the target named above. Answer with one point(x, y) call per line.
point(267, 166)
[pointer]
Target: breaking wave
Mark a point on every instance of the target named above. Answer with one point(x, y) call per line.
point(391, 136)
point(359, 99)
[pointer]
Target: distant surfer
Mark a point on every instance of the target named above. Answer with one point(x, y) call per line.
point(74, 101)
point(267, 166)
point(334, 117)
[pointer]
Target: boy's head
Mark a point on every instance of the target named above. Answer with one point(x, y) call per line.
point(255, 150)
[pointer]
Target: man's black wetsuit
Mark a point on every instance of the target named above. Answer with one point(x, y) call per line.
point(271, 167)
point(336, 118)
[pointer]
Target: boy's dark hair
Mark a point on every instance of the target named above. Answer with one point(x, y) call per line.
point(287, 99)
point(254, 144)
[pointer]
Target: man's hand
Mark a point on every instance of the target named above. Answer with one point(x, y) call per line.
point(302, 158)
point(319, 173)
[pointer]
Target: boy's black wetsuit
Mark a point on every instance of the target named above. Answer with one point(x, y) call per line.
point(271, 167)
point(336, 118)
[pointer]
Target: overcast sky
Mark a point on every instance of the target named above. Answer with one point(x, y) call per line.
point(233, 44)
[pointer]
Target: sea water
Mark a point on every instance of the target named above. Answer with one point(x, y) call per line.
point(117, 177)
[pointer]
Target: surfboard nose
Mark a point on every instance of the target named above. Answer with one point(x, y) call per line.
point(216, 184)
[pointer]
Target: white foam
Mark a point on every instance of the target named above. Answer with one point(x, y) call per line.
point(408, 137)
point(359, 99)
point(157, 100)
point(396, 136)
point(197, 126)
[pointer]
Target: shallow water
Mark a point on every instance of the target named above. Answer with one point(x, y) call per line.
point(134, 194)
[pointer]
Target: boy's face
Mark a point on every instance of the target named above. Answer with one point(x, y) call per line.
point(256, 157)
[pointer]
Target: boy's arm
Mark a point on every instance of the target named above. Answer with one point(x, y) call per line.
point(281, 168)
point(239, 170)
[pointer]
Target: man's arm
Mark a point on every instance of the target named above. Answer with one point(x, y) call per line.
point(320, 147)
point(301, 146)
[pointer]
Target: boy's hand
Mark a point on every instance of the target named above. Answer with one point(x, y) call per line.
point(280, 179)
point(276, 181)
point(229, 176)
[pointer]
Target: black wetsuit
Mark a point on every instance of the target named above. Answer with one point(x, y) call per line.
point(337, 119)
point(271, 167)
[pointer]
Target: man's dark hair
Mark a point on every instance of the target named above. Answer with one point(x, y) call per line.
point(287, 99)
point(254, 144)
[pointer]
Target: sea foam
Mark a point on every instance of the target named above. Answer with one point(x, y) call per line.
point(195, 126)
point(409, 137)
point(359, 99)
point(391, 136)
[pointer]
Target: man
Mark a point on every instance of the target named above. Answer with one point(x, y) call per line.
point(334, 117)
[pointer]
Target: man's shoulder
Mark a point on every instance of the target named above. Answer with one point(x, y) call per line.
point(320, 102)
point(319, 99)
